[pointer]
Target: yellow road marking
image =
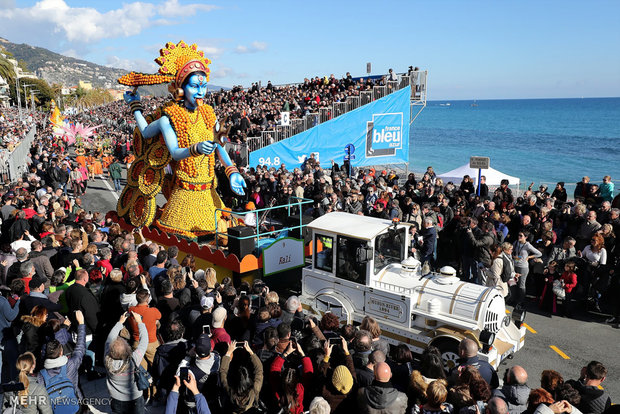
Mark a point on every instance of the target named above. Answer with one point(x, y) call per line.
point(529, 328)
point(560, 353)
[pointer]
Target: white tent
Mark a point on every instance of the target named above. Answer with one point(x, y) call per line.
point(493, 176)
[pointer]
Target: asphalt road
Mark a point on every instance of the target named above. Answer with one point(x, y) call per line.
point(576, 341)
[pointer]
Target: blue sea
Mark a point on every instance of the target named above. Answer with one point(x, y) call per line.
point(539, 140)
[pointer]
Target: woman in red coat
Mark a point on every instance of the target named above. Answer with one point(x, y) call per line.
point(569, 282)
point(289, 390)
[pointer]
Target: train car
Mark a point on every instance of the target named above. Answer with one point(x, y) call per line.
point(360, 266)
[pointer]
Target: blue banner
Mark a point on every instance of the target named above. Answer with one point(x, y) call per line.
point(374, 134)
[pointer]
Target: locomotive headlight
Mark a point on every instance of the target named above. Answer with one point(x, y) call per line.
point(518, 316)
point(486, 338)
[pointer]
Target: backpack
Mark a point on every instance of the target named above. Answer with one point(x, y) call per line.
point(505, 269)
point(207, 382)
point(61, 391)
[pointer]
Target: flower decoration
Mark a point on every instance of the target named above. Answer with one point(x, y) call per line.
point(76, 133)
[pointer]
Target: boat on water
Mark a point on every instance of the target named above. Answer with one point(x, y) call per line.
point(445, 104)
point(474, 104)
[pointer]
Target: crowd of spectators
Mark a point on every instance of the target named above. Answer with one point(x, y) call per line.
point(252, 110)
point(521, 245)
point(83, 299)
point(12, 129)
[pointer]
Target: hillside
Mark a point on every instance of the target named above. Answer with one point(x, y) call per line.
point(68, 71)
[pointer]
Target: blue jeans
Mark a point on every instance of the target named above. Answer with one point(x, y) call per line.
point(477, 269)
point(117, 184)
point(469, 268)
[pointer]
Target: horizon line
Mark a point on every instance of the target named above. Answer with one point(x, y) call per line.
point(519, 99)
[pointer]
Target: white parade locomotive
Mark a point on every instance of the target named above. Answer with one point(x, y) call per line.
point(360, 266)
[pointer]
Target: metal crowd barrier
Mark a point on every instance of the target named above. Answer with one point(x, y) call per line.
point(14, 165)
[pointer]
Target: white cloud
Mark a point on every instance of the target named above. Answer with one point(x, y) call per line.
point(71, 53)
point(221, 72)
point(172, 8)
point(254, 47)
point(88, 25)
point(211, 52)
point(7, 4)
point(136, 65)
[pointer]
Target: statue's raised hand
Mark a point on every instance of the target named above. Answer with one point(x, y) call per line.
point(237, 183)
point(130, 97)
point(206, 147)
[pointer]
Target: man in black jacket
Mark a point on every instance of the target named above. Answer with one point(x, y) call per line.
point(429, 238)
point(13, 272)
point(36, 296)
point(42, 265)
point(79, 297)
point(594, 399)
point(482, 248)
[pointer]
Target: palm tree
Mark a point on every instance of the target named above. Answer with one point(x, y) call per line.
point(8, 74)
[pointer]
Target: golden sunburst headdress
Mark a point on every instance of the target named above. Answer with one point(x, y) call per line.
point(176, 63)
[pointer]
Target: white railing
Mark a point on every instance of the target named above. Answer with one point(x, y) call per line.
point(417, 81)
point(15, 165)
point(395, 288)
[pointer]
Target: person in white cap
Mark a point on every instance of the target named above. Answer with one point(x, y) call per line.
point(218, 333)
point(202, 317)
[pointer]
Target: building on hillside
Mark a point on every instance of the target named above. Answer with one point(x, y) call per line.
point(87, 86)
point(116, 94)
point(4, 93)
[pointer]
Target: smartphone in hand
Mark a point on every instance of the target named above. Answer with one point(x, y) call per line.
point(184, 374)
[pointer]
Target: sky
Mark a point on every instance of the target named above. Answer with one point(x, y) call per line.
point(471, 49)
